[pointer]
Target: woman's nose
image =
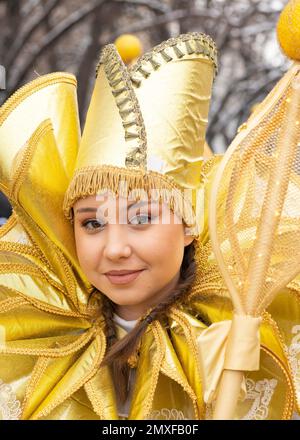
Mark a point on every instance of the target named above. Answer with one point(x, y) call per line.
point(116, 242)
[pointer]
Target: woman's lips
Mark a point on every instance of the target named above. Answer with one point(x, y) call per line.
point(123, 279)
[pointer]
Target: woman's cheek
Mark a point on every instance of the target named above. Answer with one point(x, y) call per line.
point(85, 252)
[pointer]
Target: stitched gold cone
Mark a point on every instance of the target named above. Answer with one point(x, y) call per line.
point(146, 125)
point(254, 225)
point(39, 139)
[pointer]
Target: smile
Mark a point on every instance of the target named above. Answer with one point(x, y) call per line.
point(123, 279)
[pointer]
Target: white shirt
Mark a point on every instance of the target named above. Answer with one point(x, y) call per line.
point(126, 325)
point(123, 409)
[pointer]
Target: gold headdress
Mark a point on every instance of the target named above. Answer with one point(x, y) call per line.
point(145, 126)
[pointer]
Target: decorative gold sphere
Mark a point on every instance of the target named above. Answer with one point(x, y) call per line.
point(129, 47)
point(288, 30)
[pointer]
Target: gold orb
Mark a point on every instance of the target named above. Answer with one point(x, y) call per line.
point(129, 47)
point(288, 30)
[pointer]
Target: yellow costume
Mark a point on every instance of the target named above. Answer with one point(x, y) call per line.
point(145, 126)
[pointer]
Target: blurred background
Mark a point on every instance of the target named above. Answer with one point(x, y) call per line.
point(42, 36)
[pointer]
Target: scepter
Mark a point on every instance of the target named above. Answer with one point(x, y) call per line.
point(255, 226)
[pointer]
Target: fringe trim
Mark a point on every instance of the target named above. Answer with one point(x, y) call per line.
point(128, 105)
point(135, 184)
point(174, 49)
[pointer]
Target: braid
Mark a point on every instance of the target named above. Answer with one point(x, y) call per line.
point(106, 309)
point(110, 328)
point(187, 274)
point(121, 350)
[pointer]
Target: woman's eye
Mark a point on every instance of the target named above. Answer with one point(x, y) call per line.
point(92, 225)
point(145, 219)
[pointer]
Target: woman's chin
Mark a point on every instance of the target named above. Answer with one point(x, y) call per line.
point(127, 302)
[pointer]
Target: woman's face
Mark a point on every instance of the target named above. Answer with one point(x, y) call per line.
point(116, 234)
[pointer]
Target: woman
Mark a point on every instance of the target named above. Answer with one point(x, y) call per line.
point(160, 256)
point(79, 342)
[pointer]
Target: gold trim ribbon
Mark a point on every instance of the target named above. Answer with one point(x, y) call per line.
point(231, 345)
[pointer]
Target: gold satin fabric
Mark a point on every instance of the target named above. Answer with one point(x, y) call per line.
point(39, 138)
point(229, 345)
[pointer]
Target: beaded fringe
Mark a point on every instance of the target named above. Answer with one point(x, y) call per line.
point(135, 184)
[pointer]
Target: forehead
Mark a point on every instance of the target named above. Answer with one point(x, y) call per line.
point(104, 200)
point(109, 205)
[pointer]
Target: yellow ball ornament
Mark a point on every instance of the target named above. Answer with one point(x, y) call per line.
point(129, 47)
point(288, 30)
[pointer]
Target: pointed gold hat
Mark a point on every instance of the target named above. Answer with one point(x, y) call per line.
point(145, 129)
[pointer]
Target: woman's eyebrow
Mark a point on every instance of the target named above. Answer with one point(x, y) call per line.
point(86, 210)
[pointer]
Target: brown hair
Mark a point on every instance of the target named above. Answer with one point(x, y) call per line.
point(119, 351)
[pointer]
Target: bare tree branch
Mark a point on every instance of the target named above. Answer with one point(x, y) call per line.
point(31, 27)
point(144, 25)
point(67, 24)
point(29, 6)
point(249, 60)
